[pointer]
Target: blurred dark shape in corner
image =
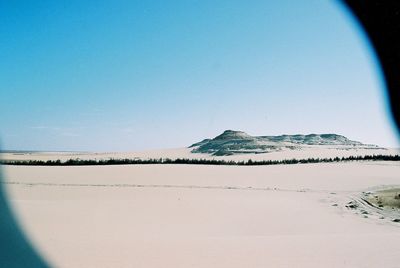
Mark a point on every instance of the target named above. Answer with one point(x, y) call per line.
point(15, 249)
point(381, 20)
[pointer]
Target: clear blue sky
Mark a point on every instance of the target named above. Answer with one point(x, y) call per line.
point(134, 75)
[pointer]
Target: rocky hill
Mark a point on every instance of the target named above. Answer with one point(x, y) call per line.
point(232, 142)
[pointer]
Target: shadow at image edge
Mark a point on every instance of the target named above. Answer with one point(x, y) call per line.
point(15, 250)
point(380, 21)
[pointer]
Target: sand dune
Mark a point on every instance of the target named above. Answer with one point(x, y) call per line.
point(207, 216)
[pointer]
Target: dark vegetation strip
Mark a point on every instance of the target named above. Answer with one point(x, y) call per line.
point(83, 162)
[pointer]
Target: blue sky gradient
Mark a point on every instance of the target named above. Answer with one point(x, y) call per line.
point(134, 75)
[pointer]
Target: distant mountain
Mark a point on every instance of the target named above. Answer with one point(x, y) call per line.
point(232, 142)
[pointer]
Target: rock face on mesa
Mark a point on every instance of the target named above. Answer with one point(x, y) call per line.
point(232, 142)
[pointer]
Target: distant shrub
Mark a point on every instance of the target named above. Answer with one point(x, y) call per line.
point(126, 161)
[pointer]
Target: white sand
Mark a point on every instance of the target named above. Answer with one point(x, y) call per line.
point(321, 151)
point(205, 216)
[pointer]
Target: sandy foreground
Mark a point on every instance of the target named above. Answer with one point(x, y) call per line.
point(207, 216)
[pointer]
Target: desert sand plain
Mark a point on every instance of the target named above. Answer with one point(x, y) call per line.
point(206, 216)
point(319, 151)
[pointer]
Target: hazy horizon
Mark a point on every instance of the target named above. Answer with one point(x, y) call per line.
point(131, 76)
point(184, 146)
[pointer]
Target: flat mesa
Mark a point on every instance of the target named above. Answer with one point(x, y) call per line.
point(232, 142)
point(339, 214)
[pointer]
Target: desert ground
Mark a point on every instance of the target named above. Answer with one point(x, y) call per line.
point(319, 151)
point(304, 215)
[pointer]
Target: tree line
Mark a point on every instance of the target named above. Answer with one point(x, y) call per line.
point(127, 161)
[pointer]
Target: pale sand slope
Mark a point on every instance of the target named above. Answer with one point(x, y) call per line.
point(319, 151)
point(205, 216)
